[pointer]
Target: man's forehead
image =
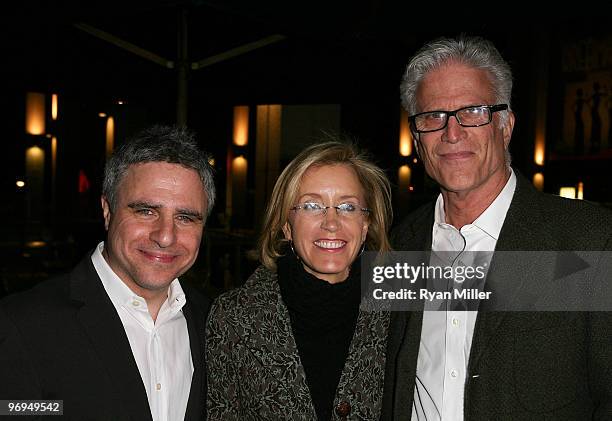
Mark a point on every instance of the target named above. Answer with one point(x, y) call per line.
point(162, 184)
point(443, 88)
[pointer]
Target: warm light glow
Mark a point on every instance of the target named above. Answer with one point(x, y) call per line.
point(241, 125)
point(110, 136)
point(35, 113)
point(120, 102)
point(405, 135)
point(568, 192)
point(267, 159)
point(35, 155)
point(539, 152)
point(102, 115)
point(415, 160)
point(238, 184)
point(404, 177)
point(239, 165)
point(539, 144)
point(54, 107)
point(20, 183)
point(538, 181)
point(53, 158)
point(35, 172)
point(35, 244)
point(580, 194)
point(35, 178)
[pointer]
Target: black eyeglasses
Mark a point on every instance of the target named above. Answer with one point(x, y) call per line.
point(472, 116)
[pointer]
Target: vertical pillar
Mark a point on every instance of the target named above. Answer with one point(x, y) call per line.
point(267, 165)
point(35, 170)
point(110, 136)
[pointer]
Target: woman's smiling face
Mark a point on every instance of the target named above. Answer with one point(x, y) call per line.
point(328, 244)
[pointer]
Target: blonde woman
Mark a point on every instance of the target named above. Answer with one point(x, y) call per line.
point(292, 344)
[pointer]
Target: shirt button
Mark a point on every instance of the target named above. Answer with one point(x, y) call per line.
point(135, 303)
point(158, 386)
point(343, 409)
point(455, 322)
point(454, 373)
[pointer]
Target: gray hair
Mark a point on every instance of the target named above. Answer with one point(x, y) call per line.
point(475, 52)
point(173, 145)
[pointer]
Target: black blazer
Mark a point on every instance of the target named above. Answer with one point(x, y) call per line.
point(64, 340)
point(522, 365)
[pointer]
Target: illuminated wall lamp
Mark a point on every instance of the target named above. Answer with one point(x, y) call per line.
point(538, 155)
point(241, 125)
point(110, 136)
point(573, 192)
point(405, 141)
point(35, 113)
point(404, 175)
point(568, 192)
point(54, 107)
point(538, 181)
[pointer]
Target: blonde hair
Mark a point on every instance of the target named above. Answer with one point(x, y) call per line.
point(374, 182)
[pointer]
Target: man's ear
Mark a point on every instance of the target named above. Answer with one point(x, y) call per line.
point(287, 231)
point(106, 211)
point(507, 129)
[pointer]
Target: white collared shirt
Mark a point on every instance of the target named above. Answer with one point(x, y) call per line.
point(161, 348)
point(446, 336)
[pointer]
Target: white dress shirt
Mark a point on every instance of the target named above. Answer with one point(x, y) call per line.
point(161, 348)
point(446, 336)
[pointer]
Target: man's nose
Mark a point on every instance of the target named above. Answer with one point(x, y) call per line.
point(453, 132)
point(163, 233)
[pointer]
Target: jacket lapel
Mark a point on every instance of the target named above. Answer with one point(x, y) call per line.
point(365, 361)
point(197, 393)
point(521, 231)
point(103, 327)
point(276, 351)
point(405, 327)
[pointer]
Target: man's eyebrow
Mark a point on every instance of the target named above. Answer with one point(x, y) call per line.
point(182, 211)
point(190, 212)
point(142, 204)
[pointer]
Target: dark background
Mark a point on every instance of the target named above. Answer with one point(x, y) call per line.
point(346, 53)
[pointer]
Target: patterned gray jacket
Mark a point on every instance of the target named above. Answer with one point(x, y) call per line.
point(253, 365)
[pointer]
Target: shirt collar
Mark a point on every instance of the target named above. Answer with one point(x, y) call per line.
point(121, 295)
point(492, 219)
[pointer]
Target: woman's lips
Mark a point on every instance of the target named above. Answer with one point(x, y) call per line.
point(330, 245)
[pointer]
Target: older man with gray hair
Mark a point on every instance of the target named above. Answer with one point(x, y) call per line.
point(479, 364)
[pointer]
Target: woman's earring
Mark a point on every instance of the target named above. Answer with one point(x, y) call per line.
point(293, 250)
point(362, 249)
